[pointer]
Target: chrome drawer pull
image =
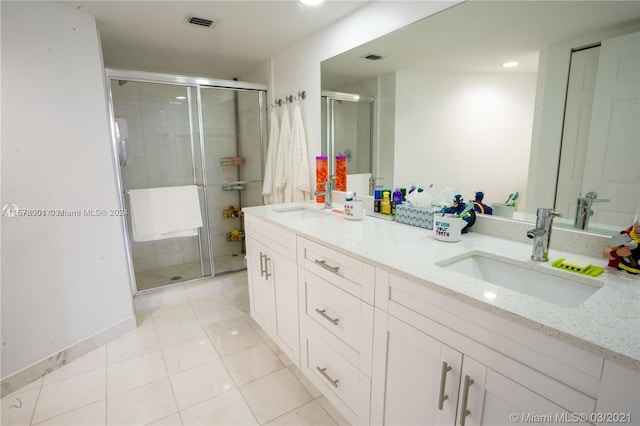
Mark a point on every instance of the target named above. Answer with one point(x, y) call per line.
point(465, 399)
point(326, 376)
point(267, 274)
point(443, 380)
point(323, 263)
point(334, 321)
point(261, 265)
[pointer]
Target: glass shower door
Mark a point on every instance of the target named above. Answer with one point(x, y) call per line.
point(158, 144)
point(233, 135)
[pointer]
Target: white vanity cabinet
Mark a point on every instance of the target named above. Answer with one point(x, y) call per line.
point(392, 348)
point(434, 367)
point(273, 283)
point(336, 326)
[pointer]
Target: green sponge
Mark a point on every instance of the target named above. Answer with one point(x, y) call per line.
point(578, 267)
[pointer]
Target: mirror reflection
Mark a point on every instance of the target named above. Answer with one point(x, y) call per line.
point(448, 114)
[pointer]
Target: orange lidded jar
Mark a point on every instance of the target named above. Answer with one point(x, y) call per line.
point(341, 172)
point(322, 175)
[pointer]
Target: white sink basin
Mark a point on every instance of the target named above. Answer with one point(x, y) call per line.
point(548, 286)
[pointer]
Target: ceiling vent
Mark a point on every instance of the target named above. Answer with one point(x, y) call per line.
point(372, 57)
point(199, 21)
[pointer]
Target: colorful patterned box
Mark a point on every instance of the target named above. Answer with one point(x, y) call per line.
point(414, 216)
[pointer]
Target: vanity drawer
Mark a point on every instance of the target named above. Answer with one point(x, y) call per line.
point(351, 275)
point(336, 375)
point(276, 238)
point(341, 314)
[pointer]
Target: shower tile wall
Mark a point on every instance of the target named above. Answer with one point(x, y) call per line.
point(154, 128)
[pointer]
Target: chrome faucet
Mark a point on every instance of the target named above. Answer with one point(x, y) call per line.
point(327, 194)
point(583, 210)
point(541, 234)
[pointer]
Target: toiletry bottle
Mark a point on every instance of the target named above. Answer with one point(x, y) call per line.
point(397, 196)
point(396, 200)
point(385, 204)
point(377, 196)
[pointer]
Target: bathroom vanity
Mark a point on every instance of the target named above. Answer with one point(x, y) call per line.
point(375, 316)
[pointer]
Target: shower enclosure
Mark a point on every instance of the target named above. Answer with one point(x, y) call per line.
point(176, 131)
point(347, 128)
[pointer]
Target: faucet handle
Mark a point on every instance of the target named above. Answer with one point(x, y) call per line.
point(547, 212)
point(592, 196)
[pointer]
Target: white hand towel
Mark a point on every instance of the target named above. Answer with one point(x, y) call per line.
point(268, 185)
point(300, 160)
point(160, 213)
point(284, 193)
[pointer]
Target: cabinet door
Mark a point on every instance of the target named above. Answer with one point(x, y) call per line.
point(287, 327)
point(260, 286)
point(488, 398)
point(419, 385)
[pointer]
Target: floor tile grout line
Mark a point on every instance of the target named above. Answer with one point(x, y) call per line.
point(164, 364)
point(232, 379)
point(35, 406)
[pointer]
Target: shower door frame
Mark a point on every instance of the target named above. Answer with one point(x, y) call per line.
point(330, 126)
point(180, 80)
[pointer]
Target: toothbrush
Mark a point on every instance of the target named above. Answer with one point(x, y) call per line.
point(467, 207)
point(514, 198)
point(509, 199)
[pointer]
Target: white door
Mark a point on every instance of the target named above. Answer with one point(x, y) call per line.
point(575, 134)
point(489, 398)
point(416, 378)
point(613, 155)
point(260, 285)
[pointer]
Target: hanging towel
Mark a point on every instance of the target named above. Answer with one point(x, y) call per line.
point(268, 185)
point(284, 192)
point(300, 160)
point(160, 213)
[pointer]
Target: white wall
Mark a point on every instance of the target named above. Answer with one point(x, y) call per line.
point(298, 68)
point(64, 279)
point(468, 131)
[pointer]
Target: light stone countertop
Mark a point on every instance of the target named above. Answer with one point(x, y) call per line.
point(606, 324)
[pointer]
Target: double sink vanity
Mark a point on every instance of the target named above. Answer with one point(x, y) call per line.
point(395, 327)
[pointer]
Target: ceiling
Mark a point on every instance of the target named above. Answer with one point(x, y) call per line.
point(154, 35)
point(479, 35)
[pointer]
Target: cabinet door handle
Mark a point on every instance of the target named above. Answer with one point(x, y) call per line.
point(323, 263)
point(267, 274)
point(443, 380)
point(323, 371)
point(261, 265)
point(465, 399)
point(334, 321)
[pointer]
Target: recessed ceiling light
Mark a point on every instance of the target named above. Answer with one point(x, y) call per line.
point(510, 64)
point(311, 2)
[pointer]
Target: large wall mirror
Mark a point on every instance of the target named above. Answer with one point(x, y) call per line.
point(563, 123)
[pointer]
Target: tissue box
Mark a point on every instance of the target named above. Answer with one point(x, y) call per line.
point(414, 216)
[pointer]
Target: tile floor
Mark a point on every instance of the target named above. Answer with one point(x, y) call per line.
point(188, 271)
point(200, 361)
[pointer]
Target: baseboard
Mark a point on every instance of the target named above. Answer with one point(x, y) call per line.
point(41, 368)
